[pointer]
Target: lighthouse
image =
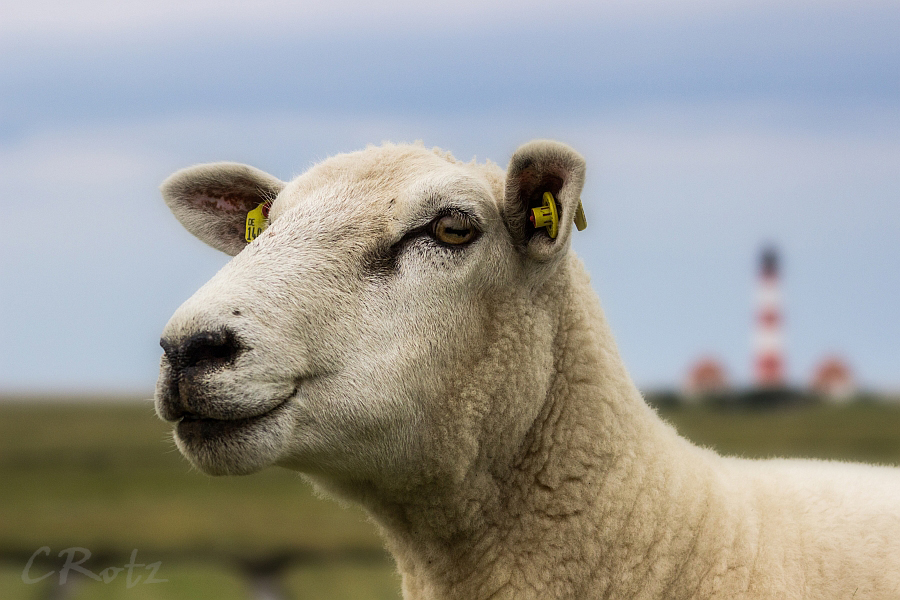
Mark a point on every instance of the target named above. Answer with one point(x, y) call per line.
point(768, 365)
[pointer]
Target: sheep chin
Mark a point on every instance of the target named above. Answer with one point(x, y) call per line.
point(237, 446)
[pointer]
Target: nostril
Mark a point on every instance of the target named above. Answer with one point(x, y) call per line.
point(210, 349)
point(207, 348)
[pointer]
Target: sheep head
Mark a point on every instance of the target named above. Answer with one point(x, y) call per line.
point(389, 320)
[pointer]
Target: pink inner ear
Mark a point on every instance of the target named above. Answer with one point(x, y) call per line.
point(217, 204)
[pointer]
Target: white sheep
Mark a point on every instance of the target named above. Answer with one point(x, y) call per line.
point(403, 334)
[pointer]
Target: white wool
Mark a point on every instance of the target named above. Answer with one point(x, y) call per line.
point(472, 398)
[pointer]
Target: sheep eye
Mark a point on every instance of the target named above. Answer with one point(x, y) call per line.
point(453, 229)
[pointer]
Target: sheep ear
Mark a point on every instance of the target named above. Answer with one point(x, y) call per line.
point(212, 201)
point(535, 168)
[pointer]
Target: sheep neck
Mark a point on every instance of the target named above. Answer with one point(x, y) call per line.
point(584, 506)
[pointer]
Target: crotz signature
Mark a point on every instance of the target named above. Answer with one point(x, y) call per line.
point(107, 575)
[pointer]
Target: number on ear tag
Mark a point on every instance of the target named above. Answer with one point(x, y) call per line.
point(257, 221)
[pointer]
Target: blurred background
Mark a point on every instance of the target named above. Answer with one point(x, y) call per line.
point(743, 196)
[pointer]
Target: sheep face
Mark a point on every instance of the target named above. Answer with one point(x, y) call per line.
point(366, 334)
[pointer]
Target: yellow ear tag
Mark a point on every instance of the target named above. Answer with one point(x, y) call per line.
point(580, 219)
point(257, 221)
point(547, 216)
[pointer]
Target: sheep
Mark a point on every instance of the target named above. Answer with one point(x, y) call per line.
point(403, 335)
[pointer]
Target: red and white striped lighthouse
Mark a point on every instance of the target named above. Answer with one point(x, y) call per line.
point(769, 354)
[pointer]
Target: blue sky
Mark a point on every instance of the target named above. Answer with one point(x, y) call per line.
point(710, 129)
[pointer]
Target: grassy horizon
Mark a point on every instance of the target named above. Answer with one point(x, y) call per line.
point(106, 476)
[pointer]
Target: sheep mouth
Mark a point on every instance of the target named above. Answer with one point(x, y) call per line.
point(237, 446)
point(196, 427)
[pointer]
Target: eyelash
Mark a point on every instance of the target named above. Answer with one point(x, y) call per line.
point(385, 259)
point(426, 233)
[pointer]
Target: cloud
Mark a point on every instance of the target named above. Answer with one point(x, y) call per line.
point(822, 54)
point(92, 17)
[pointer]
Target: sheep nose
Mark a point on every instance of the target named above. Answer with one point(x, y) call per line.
point(207, 349)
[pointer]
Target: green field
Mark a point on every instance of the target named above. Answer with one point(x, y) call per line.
point(106, 477)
